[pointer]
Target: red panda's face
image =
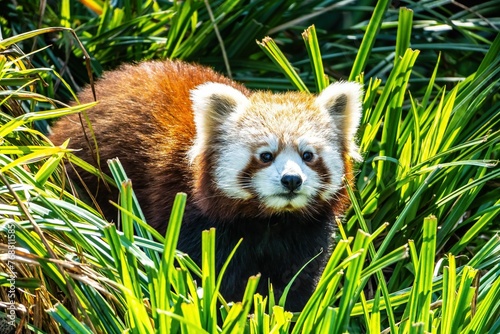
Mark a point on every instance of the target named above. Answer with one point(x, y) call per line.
point(289, 176)
point(286, 151)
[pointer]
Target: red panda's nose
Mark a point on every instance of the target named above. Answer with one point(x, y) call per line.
point(291, 181)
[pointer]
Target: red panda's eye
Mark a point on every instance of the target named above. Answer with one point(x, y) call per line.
point(307, 156)
point(266, 157)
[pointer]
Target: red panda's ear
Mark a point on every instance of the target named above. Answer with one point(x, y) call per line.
point(342, 100)
point(212, 104)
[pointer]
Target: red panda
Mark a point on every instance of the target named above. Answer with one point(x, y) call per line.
point(260, 166)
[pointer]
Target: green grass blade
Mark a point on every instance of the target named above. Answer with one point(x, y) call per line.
point(67, 320)
point(208, 280)
point(405, 25)
point(487, 310)
point(271, 49)
point(449, 288)
point(313, 50)
point(369, 39)
point(163, 291)
point(420, 298)
point(352, 279)
point(236, 320)
point(463, 300)
point(476, 229)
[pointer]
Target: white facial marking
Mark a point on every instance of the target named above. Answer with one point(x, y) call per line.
point(286, 126)
point(213, 104)
point(273, 194)
point(292, 167)
point(232, 162)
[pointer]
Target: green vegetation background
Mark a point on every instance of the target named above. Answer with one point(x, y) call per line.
point(419, 249)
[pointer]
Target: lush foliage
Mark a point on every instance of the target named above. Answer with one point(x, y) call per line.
point(418, 251)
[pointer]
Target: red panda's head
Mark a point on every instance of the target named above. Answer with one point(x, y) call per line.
point(274, 152)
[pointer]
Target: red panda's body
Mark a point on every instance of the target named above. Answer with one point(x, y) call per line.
point(259, 166)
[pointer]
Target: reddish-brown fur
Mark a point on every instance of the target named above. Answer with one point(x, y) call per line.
point(154, 112)
point(144, 117)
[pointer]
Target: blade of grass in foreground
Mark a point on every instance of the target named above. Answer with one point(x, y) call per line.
point(369, 39)
point(270, 48)
point(463, 300)
point(449, 288)
point(488, 308)
point(405, 24)
point(323, 296)
point(221, 275)
point(237, 316)
point(163, 291)
point(401, 218)
point(378, 263)
point(313, 50)
point(120, 176)
point(418, 307)
point(352, 280)
point(208, 280)
point(137, 314)
point(485, 219)
point(283, 297)
point(392, 123)
point(67, 320)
